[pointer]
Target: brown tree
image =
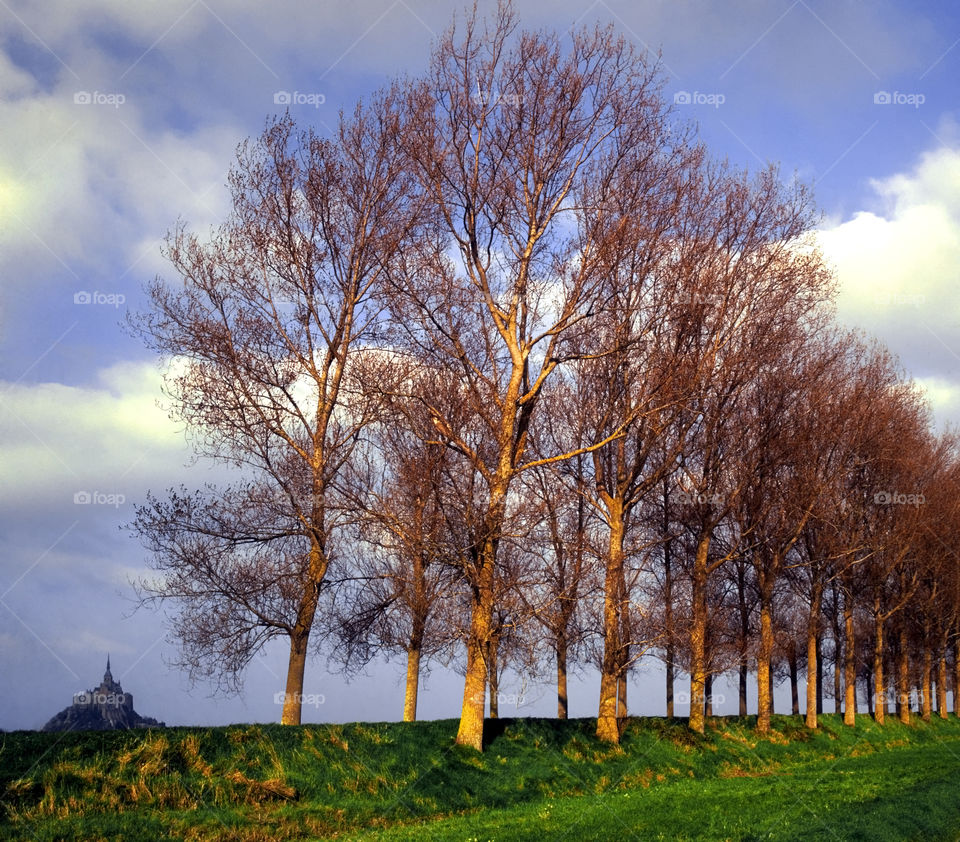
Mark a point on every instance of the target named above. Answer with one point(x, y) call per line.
point(528, 150)
point(405, 584)
point(759, 285)
point(263, 330)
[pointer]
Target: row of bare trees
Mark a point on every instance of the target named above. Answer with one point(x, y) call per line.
point(509, 365)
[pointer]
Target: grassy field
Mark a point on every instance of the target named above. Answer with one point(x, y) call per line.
point(538, 779)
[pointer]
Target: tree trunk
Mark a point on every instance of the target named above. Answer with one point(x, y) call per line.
point(413, 683)
point(942, 683)
point(819, 674)
point(708, 694)
point(743, 677)
point(668, 611)
point(622, 700)
point(814, 676)
point(956, 676)
point(849, 664)
point(744, 666)
point(794, 681)
point(764, 695)
point(470, 731)
point(698, 635)
point(903, 678)
point(623, 666)
point(414, 649)
point(562, 676)
point(300, 635)
point(293, 698)
point(608, 728)
point(837, 676)
point(927, 691)
point(493, 678)
point(880, 685)
point(670, 681)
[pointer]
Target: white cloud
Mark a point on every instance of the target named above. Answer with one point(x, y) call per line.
point(58, 440)
point(899, 271)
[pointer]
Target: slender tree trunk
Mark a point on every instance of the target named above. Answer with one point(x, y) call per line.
point(819, 674)
point(414, 649)
point(764, 694)
point(413, 682)
point(670, 680)
point(942, 683)
point(773, 703)
point(794, 681)
point(849, 664)
point(837, 676)
point(744, 666)
point(956, 675)
point(708, 694)
point(880, 684)
point(300, 635)
point(296, 665)
point(814, 676)
point(622, 700)
point(493, 678)
point(607, 723)
point(698, 635)
point(668, 610)
point(903, 678)
point(742, 686)
point(837, 625)
point(562, 676)
point(624, 655)
point(927, 703)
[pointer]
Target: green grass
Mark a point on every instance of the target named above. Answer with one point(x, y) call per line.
point(538, 779)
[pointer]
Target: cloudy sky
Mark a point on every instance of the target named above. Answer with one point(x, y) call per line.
point(117, 117)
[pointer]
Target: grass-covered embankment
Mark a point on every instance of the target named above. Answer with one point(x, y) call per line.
point(538, 779)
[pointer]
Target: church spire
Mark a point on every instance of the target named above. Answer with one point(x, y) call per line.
point(107, 677)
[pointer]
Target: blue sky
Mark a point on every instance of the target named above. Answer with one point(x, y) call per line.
point(117, 118)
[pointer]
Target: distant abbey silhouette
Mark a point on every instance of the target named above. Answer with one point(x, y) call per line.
point(105, 708)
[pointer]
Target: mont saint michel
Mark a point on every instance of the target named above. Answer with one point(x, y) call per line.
point(105, 708)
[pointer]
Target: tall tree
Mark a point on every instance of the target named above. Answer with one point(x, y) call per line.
point(760, 285)
point(528, 149)
point(262, 332)
point(404, 587)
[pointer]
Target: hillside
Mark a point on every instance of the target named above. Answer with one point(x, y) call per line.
point(538, 779)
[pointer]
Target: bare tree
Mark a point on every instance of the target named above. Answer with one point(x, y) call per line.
point(759, 284)
point(563, 559)
point(262, 333)
point(405, 584)
point(525, 148)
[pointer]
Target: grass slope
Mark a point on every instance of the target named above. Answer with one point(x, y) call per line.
point(538, 779)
